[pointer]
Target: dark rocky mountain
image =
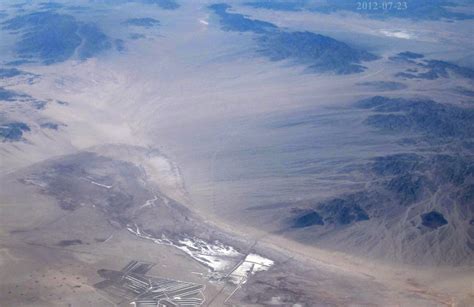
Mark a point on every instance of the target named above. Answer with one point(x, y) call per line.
point(10, 132)
point(318, 53)
point(54, 37)
point(409, 9)
point(146, 22)
point(421, 116)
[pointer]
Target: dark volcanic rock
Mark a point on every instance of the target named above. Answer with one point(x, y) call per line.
point(308, 219)
point(342, 211)
point(13, 132)
point(136, 36)
point(119, 45)
point(466, 196)
point(321, 53)
point(239, 22)
point(390, 122)
point(145, 22)
point(452, 169)
point(430, 69)
point(408, 188)
point(19, 62)
point(9, 72)
point(437, 69)
point(406, 75)
point(409, 55)
point(13, 96)
point(9, 95)
point(384, 85)
point(94, 43)
point(52, 126)
point(433, 220)
point(396, 164)
point(54, 37)
point(50, 36)
point(418, 115)
point(317, 52)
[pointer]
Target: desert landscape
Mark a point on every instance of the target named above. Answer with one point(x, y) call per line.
point(246, 153)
